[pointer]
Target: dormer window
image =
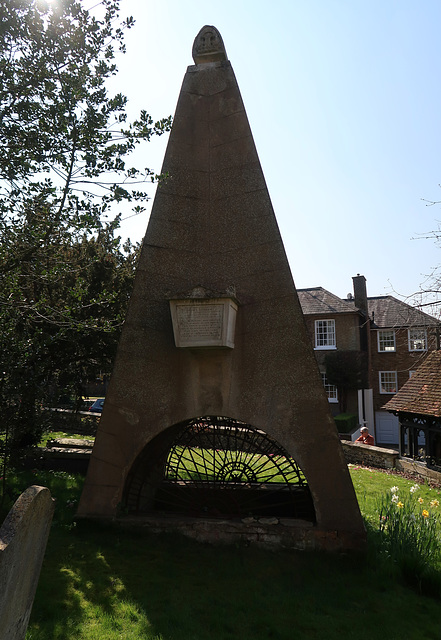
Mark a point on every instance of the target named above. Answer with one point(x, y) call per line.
point(325, 334)
point(386, 340)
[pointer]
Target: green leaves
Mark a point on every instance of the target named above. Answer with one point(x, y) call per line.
point(65, 280)
point(55, 112)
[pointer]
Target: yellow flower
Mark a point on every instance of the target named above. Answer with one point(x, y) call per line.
point(400, 505)
point(420, 500)
point(434, 503)
point(425, 513)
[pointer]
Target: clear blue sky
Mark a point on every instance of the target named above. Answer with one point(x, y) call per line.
point(344, 102)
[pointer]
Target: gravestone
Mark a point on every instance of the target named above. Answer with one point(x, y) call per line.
point(23, 539)
point(214, 342)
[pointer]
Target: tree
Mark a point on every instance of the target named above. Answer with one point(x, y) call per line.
point(65, 279)
point(428, 297)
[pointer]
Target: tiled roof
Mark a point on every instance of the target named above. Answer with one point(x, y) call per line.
point(421, 394)
point(387, 311)
point(318, 300)
point(384, 311)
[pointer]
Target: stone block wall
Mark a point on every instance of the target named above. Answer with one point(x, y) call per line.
point(370, 456)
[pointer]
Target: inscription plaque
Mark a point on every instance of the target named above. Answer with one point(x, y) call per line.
point(204, 323)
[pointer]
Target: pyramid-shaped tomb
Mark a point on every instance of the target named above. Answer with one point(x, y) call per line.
point(216, 413)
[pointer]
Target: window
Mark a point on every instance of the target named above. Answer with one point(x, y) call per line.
point(330, 389)
point(386, 340)
point(417, 340)
point(325, 334)
point(388, 381)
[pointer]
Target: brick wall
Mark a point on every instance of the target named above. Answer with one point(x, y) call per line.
point(402, 361)
point(347, 329)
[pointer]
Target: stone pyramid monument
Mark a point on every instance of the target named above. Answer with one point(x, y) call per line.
point(214, 347)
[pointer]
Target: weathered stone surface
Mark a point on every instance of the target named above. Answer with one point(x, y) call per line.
point(287, 534)
point(23, 539)
point(213, 226)
point(208, 46)
point(370, 455)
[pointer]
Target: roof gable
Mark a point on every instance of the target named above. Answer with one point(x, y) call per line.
point(319, 301)
point(384, 311)
point(387, 311)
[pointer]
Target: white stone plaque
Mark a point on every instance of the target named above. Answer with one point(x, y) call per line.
point(204, 322)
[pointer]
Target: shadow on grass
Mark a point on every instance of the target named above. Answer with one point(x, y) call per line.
point(101, 583)
point(105, 583)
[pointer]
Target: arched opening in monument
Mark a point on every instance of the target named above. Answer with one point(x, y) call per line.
point(217, 467)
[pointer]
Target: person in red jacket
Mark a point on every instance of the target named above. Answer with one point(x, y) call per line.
point(365, 437)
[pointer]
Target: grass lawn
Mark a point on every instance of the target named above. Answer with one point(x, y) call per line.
point(99, 583)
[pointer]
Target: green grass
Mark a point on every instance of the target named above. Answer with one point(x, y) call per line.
point(371, 484)
point(56, 435)
point(195, 463)
point(98, 582)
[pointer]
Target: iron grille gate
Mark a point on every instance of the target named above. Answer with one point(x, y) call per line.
point(217, 467)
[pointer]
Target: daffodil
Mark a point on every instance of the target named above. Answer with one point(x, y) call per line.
point(425, 513)
point(394, 489)
point(400, 505)
point(434, 503)
point(414, 488)
point(394, 498)
point(420, 500)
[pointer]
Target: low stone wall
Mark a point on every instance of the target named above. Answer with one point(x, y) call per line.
point(62, 454)
point(418, 468)
point(370, 455)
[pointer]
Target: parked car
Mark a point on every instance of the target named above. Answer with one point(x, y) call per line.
point(97, 406)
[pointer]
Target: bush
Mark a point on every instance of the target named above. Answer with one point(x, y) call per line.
point(346, 422)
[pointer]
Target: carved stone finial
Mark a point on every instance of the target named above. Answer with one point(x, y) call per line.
point(208, 46)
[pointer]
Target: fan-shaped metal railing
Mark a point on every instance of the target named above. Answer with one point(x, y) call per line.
point(218, 467)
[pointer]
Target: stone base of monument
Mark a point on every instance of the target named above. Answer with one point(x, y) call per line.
point(265, 532)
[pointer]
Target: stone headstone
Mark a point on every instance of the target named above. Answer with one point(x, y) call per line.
point(23, 539)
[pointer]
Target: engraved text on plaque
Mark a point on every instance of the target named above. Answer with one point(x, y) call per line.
point(204, 323)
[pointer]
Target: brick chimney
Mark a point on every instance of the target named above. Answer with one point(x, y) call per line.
point(360, 294)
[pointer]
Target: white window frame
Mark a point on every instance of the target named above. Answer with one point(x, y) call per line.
point(415, 338)
point(386, 343)
point(388, 378)
point(324, 332)
point(330, 389)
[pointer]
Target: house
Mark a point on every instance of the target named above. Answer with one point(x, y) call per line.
point(417, 405)
point(334, 325)
point(379, 340)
